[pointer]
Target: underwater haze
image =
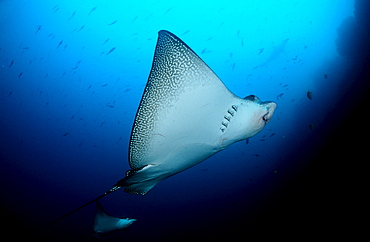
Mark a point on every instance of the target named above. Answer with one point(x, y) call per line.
point(72, 74)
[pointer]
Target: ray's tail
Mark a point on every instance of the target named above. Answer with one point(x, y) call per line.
point(113, 189)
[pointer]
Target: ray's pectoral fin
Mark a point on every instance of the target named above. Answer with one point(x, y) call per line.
point(104, 223)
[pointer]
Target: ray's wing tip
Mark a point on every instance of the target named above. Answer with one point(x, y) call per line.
point(163, 31)
point(166, 33)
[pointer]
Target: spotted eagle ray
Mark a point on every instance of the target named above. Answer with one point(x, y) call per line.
point(104, 223)
point(186, 115)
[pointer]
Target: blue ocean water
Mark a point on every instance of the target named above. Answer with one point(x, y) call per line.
point(72, 74)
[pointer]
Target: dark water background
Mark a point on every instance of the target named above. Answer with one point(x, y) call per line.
point(71, 77)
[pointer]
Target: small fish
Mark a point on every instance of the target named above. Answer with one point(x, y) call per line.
point(260, 51)
point(233, 66)
point(309, 95)
point(20, 74)
point(92, 10)
point(272, 134)
point(38, 28)
point(326, 76)
point(115, 21)
point(10, 93)
point(279, 96)
point(187, 31)
point(256, 155)
point(311, 127)
point(285, 85)
point(105, 41)
point(104, 85)
point(247, 141)
point(168, 10)
point(61, 42)
point(65, 134)
point(78, 62)
point(109, 105)
point(262, 139)
point(11, 63)
point(134, 19)
point(73, 14)
point(83, 26)
point(111, 50)
point(204, 51)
